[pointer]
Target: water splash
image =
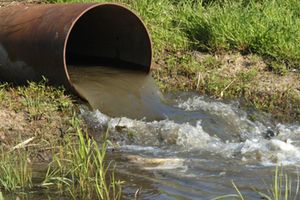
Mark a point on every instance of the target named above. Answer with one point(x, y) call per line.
point(171, 136)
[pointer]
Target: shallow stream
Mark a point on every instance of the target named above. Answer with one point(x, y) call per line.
point(183, 146)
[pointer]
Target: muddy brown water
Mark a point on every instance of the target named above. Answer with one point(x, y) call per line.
point(182, 146)
point(118, 92)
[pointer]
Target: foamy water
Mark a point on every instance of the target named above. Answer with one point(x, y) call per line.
point(186, 159)
point(189, 148)
point(253, 144)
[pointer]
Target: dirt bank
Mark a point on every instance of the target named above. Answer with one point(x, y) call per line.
point(39, 113)
point(259, 82)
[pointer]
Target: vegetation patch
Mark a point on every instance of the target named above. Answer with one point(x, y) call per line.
point(79, 169)
point(39, 124)
point(36, 111)
point(232, 75)
point(15, 170)
point(282, 188)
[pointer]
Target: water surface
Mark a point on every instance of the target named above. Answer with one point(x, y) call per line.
point(183, 146)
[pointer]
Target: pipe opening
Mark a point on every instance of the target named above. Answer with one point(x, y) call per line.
point(109, 35)
point(108, 57)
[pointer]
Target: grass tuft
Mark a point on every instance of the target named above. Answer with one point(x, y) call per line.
point(246, 25)
point(282, 188)
point(79, 169)
point(15, 170)
point(41, 100)
point(39, 124)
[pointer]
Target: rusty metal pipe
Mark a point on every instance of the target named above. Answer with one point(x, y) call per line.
point(44, 40)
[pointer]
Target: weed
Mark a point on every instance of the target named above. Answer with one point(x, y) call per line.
point(40, 100)
point(79, 169)
point(78, 166)
point(3, 88)
point(15, 170)
point(282, 188)
point(211, 63)
point(278, 68)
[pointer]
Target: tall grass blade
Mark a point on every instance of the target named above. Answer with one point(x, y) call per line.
point(237, 190)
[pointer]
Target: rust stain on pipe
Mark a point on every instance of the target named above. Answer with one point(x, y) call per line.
point(43, 40)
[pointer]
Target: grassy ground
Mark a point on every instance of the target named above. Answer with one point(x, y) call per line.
point(39, 124)
point(33, 111)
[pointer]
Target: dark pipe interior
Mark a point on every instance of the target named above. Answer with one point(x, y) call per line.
point(109, 35)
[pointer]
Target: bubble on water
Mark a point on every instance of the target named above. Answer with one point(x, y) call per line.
point(128, 148)
point(169, 137)
point(191, 137)
point(197, 103)
point(231, 113)
point(95, 119)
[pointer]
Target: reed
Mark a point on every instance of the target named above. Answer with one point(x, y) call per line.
point(15, 170)
point(282, 188)
point(1, 196)
point(79, 169)
point(51, 129)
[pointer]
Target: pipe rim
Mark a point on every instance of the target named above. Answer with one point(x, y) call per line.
point(93, 6)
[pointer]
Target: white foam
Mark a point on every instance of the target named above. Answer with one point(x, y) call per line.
point(139, 148)
point(229, 112)
point(157, 136)
point(214, 107)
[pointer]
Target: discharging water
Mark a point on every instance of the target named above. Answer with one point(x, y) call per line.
point(187, 146)
point(118, 92)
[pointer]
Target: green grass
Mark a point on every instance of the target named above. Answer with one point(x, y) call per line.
point(2, 91)
point(43, 126)
point(33, 113)
point(15, 170)
point(79, 169)
point(282, 188)
point(38, 100)
point(268, 27)
point(41, 100)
